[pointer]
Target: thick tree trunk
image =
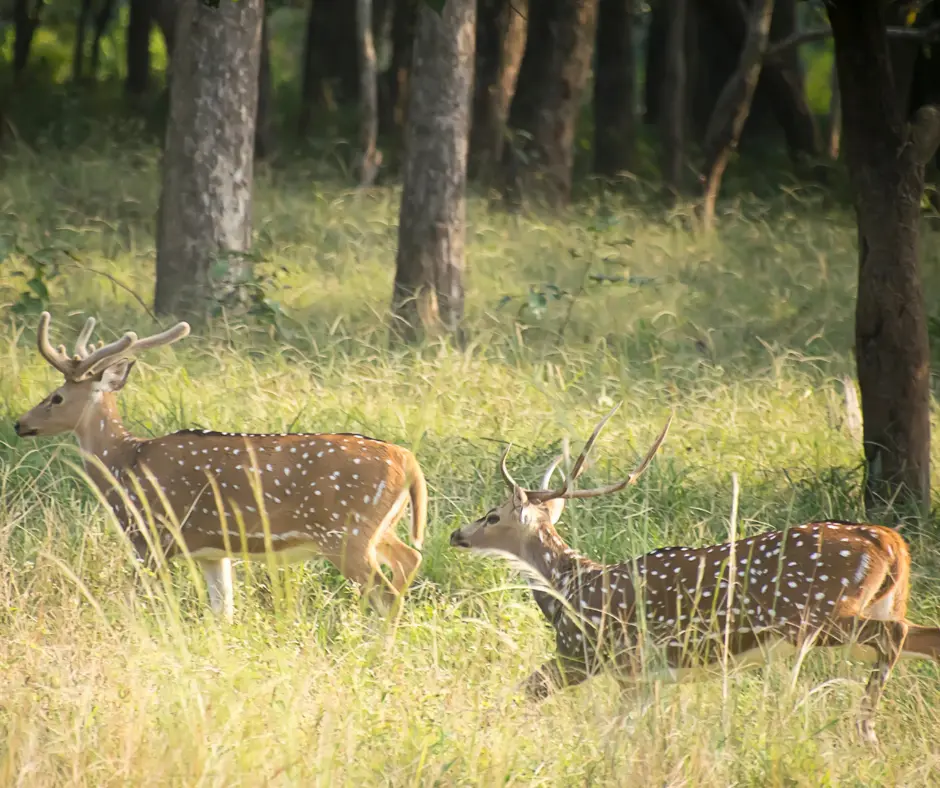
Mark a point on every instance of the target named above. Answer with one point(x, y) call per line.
point(264, 123)
point(429, 295)
point(552, 78)
point(734, 104)
point(501, 41)
point(25, 23)
point(102, 19)
point(368, 96)
point(886, 156)
point(78, 53)
point(673, 100)
point(138, 47)
point(205, 202)
point(614, 89)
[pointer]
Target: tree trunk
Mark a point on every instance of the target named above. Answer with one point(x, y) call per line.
point(138, 48)
point(309, 77)
point(394, 87)
point(835, 116)
point(25, 22)
point(614, 89)
point(101, 24)
point(428, 295)
point(370, 158)
point(784, 85)
point(501, 41)
point(552, 78)
point(78, 54)
point(886, 156)
point(734, 103)
point(673, 100)
point(264, 123)
point(204, 220)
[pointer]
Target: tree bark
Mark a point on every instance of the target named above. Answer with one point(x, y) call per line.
point(428, 295)
point(204, 218)
point(552, 78)
point(138, 47)
point(102, 18)
point(886, 156)
point(734, 103)
point(368, 96)
point(264, 123)
point(78, 54)
point(673, 100)
point(26, 17)
point(614, 89)
point(501, 41)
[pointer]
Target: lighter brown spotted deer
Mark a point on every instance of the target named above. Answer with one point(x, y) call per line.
point(738, 603)
point(235, 494)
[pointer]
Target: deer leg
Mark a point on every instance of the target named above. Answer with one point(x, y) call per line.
point(402, 559)
point(555, 674)
point(887, 637)
point(218, 575)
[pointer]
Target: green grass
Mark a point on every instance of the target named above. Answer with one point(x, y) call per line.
point(744, 335)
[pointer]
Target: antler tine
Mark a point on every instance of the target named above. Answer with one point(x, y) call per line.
point(507, 477)
point(562, 492)
point(612, 488)
point(57, 358)
point(128, 345)
point(550, 470)
point(81, 344)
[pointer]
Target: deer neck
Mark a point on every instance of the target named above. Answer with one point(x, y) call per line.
point(101, 434)
point(558, 564)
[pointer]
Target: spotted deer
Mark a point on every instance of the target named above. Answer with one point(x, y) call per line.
point(220, 494)
point(819, 584)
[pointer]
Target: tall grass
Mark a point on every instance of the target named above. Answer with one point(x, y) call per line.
point(107, 678)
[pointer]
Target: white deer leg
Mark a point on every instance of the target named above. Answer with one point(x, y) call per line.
point(218, 576)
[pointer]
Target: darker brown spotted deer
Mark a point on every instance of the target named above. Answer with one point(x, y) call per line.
point(216, 494)
point(819, 584)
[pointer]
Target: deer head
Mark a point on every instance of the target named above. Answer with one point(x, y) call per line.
point(92, 376)
point(527, 519)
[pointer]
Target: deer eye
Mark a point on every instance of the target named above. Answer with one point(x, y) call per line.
point(492, 519)
point(56, 399)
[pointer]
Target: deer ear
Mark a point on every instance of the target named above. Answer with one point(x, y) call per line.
point(519, 498)
point(115, 376)
point(555, 507)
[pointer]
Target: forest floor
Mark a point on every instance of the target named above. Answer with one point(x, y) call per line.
point(744, 335)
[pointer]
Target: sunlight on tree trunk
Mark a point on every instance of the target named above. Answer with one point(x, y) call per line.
point(428, 295)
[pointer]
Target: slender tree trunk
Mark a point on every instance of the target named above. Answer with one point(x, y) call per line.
point(501, 40)
point(429, 295)
point(673, 100)
point(552, 78)
point(614, 89)
point(101, 24)
point(395, 79)
point(26, 17)
point(138, 47)
point(835, 116)
point(78, 54)
point(734, 103)
point(204, 220)
point(309, 77)
point(264, 124)
point(886, 156)
point(370, 158)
